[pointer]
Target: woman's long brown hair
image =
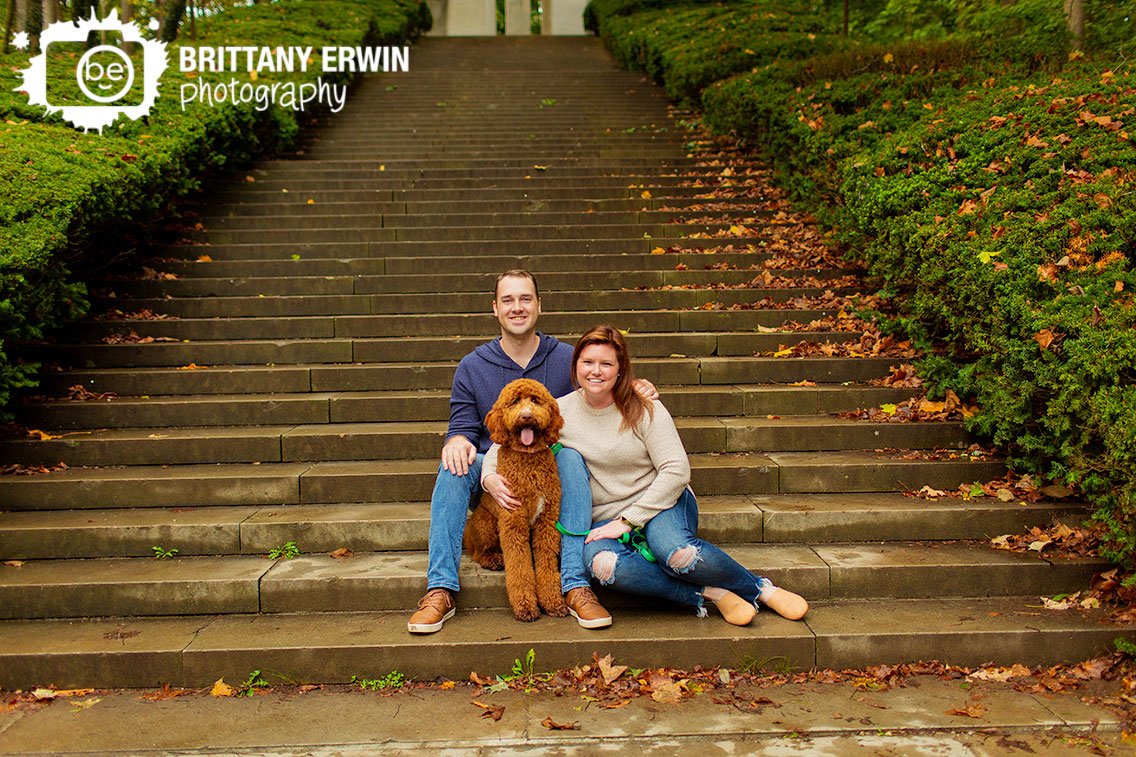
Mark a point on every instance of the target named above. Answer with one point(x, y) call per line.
point(630, 403)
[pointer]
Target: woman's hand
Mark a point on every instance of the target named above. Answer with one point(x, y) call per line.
point(645, 388)
point(498, 488)
point(613, 529)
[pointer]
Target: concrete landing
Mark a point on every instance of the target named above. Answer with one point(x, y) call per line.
point(790, 719)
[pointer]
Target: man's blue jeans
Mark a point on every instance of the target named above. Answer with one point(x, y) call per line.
point(449, 507)
point(667, 532)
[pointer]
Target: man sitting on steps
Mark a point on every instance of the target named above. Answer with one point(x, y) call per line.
point(521, 352)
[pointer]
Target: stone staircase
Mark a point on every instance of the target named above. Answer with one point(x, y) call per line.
point(295, 386)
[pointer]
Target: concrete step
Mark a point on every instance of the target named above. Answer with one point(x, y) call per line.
point(816, 519)
point(136, 586)
point(72, 534)
point(423, 405)
point(636, 261)
point(384, 350)
point(632, 321)
point(422, 439)
point(463, 138)
point(564, 231)
point(393, 580)
point(258, 379)
point(467, 161)
point(424, 254)
point(221, 304)
point(470, 323)
point(333, 647)
point(413, 480)
point(481, 173)
point(297, 277)
point(472, 180)
point(285, 204)
point(330, 334)
point(525, 190)
point(320, 217)
point(236, 347)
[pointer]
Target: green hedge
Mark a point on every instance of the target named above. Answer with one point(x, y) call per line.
point(687, 46)
point(70, 196)
point(990, 180)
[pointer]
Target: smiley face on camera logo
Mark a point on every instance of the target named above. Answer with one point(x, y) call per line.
point(93, 71)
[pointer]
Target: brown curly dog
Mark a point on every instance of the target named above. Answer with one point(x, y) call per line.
point(525, 421)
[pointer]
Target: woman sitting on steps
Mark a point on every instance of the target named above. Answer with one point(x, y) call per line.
point(644, 514)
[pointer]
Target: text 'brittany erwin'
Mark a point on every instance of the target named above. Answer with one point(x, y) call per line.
point(290, 59)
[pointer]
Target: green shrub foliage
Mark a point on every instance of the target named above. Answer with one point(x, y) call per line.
point(978, 168)
point(71, 198)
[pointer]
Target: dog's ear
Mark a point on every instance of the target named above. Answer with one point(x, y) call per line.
point(555, 421)
point(497, 430)
point(554, 426)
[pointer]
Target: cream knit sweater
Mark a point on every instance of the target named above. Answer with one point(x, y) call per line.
point(635, 474)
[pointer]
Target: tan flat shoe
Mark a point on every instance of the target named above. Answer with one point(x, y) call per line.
point(734, 609)
point(784, 603)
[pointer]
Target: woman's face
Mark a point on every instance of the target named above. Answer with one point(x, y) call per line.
point(596, 371)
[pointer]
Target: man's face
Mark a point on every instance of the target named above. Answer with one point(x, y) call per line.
point(516, 306)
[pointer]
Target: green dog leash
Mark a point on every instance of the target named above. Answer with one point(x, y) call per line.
point(634, 538)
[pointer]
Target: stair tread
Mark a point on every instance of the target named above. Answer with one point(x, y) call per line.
point(330, 647)
point(665, 390)
point(738, 459)
point(380, 566)
point(816, 519)
point(428, 428)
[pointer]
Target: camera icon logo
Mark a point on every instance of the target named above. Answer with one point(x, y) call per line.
point(94, 71)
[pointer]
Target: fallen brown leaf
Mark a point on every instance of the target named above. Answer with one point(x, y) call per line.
point(164, 693)
point(495, 712)
point(616, 705)
point(86, 703)
point(970, 711)
point(552, 725)
point(667, 693)
point(610, 672)
point(1001, 674)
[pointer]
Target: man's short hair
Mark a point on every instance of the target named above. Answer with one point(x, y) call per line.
point(519, 273)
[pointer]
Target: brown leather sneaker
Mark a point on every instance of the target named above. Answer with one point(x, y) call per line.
point(586, 609)
point(434, 609)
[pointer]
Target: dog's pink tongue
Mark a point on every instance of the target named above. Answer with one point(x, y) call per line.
point(526, 436)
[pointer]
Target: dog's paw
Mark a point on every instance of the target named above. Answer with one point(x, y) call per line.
point(559, 610)
point(526, 614)
point(495, 561)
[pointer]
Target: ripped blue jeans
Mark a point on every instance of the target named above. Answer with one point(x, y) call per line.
point(668, 533)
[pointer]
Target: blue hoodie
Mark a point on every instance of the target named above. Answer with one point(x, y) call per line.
point(483, 373)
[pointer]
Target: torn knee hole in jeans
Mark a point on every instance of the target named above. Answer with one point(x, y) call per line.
point(684, 558)
point(603, 567)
